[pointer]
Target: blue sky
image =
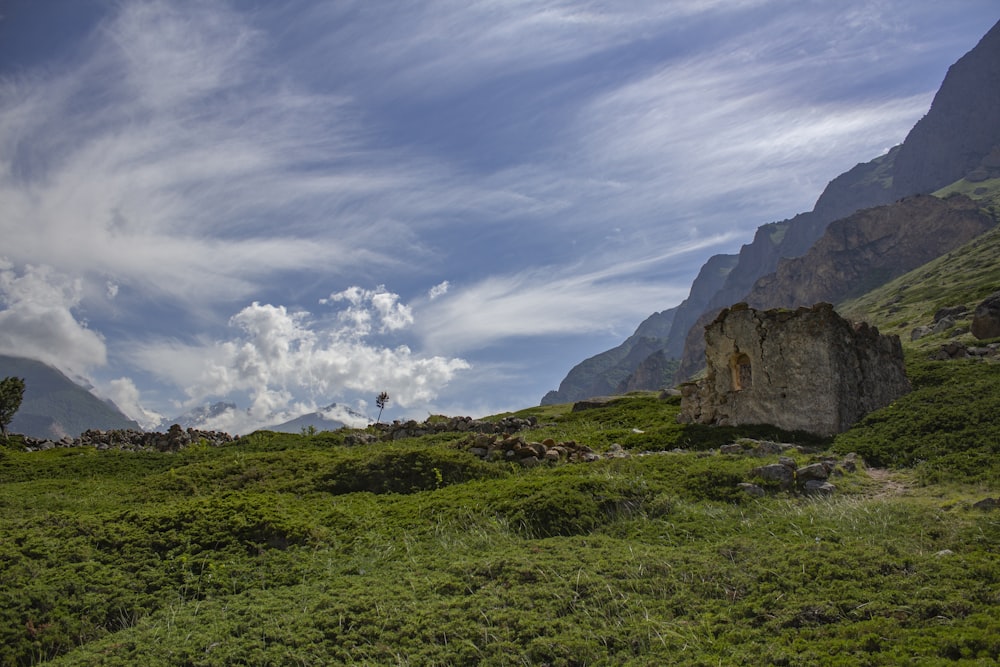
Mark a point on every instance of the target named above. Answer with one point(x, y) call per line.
point(290, 204)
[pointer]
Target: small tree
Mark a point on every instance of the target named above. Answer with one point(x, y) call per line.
point(11, 393)
point(380, 401)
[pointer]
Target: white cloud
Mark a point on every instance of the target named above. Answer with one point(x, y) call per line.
point(37, 319)
point(286, 362)
point(366, 304)
point(349, 417)
point(123, 393)
point(438, 290)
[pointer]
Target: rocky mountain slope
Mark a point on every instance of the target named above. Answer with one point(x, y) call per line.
point(956, 138)
point(54, 406)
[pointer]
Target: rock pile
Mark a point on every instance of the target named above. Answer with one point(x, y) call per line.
point(517, 449)
point(956, 350)
point(412, 429)
point(130, 440)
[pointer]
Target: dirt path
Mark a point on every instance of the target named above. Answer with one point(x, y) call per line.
point(889, 484)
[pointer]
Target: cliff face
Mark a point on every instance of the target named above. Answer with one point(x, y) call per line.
point(960, 129)
point(854, 255)
point(710, 280)
point(869, 248)
point(955, 138)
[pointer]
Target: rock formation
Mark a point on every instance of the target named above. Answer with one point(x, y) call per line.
point(806, 369)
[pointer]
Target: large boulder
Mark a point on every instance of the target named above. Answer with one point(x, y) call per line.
point(986, 319)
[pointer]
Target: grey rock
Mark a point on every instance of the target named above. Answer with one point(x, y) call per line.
point(775, 472)
point(987, 504)
point(816, 487)
point(813, 471)
point(751, 489)
point(986, 318)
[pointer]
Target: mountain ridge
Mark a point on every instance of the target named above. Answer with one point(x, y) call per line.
point(54, 406)
point(961, 128)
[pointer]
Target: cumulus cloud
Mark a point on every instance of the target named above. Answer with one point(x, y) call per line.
point(37, 319)
point(123, 393)
point(287, 362)
point(365, 305)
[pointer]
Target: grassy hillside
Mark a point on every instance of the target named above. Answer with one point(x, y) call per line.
point(291, 549)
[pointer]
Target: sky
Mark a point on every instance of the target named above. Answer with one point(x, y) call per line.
point(289, 205)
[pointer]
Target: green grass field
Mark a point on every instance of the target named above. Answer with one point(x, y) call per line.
point(299, 550)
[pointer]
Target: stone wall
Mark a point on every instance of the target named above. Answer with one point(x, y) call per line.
point(806, 369)
point(132, 440)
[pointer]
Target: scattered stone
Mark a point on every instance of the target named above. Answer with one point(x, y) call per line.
point(943, 325)
point(132, 440)
point(920, 332)
point(953, 312)
point(816, 487)
point(596, 402)
point(811, 472)
point(987, 504)
point(951, 350)
point(776, 472)
point(852, 462)
point(751, 489)
point(734, 448)
point(944, 552)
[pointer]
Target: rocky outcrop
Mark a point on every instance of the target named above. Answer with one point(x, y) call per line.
point(986, 318)
point(655, 372)
point(961, 132)
point(959, 137)
point(398, 430)
point(807, 369)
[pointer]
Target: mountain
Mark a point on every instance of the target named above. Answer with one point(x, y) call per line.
point(958, 137)
point(603, 373)
point(327, 419)
point(54, 406)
